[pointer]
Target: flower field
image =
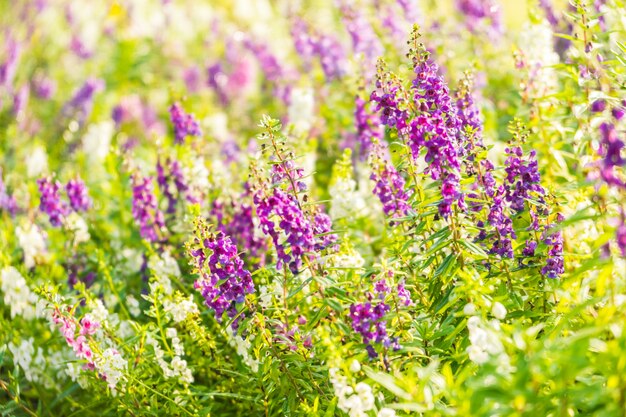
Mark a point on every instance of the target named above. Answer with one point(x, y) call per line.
point(317, 207)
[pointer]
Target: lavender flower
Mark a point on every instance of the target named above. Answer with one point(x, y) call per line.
point(78, 195)
point(621, 234)
point(224, 281)
point(367, 128)
point(478, 11)
point(369, 321)
point(50, 201)
point(240, 227)
point(9, 67)
point(364, 39)
point(7, 201)
point(299, 231)
point(145, 209)
point(503, 226)
point(82, 101)
point(522, 178)
point(554, 264)
point(389, 184)
point(184, 124)
point(611, 152)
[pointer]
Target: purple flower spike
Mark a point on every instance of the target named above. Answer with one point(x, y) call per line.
point(50, 201)
point(145, 209)
point(184, 124)
point(78, 195)
point(224, 281)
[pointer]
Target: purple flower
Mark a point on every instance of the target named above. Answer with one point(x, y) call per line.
point(239, 225)
point(50, 201)
point(611, 152)
point(369, 321)
point(529, 249)
point(145, 209)
point(389, 184)
point(45, 87)
point(292, 221)
point(364, 39)
point(522, 178)
point(322, 227)
point(309, 44)
point(9, 67)
point(367, 128)
point(503, 226)
point(82, 100)
point(184, 124)
point(404, 295)
point(78, 195)
point(598, 106)
point(223, 282)
point(621, 235)
point(477, 11)
point(554, 264)
point(7, 202)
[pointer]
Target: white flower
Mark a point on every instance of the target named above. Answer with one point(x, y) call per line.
point(301, 108)
point(99, 312)
point(469, 309)
point(33, 243)
point(112, 365)
point(17, 294)
point(179, 311)
point(386, 412)
point(346, 200)
point(77, 225)
point(171, 332)
point(498, 311)
point(36, 162)
point(133, 305)
point(355, 366)
point(164, 267)
point(97, 140)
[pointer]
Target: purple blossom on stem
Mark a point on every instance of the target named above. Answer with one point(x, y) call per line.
point(82, 100)
point(78, 195)
point(389, 184)
point(554, 264)
point(503, 226)
point(611, 152)
point(369, 321)
point(9, 67)
point(50, 201)
point(170, 180)
point(364, 39)
point(240, 226)
point(522, 178)
point(292, 221)
point(621, 234)
point(7, 201)
point(223, 282)
point(184, 124)
point(309, 44)
point(145, 208)
point(478, 11)
point(367, 128)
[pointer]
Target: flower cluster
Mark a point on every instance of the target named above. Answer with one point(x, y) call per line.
point(78, 195)
point(7, 201)
point(389, 185)
point(50, 200)
point(367, 128)
point(145, 209)
point(239, 223)
point(223, 282)
point(184, 124)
